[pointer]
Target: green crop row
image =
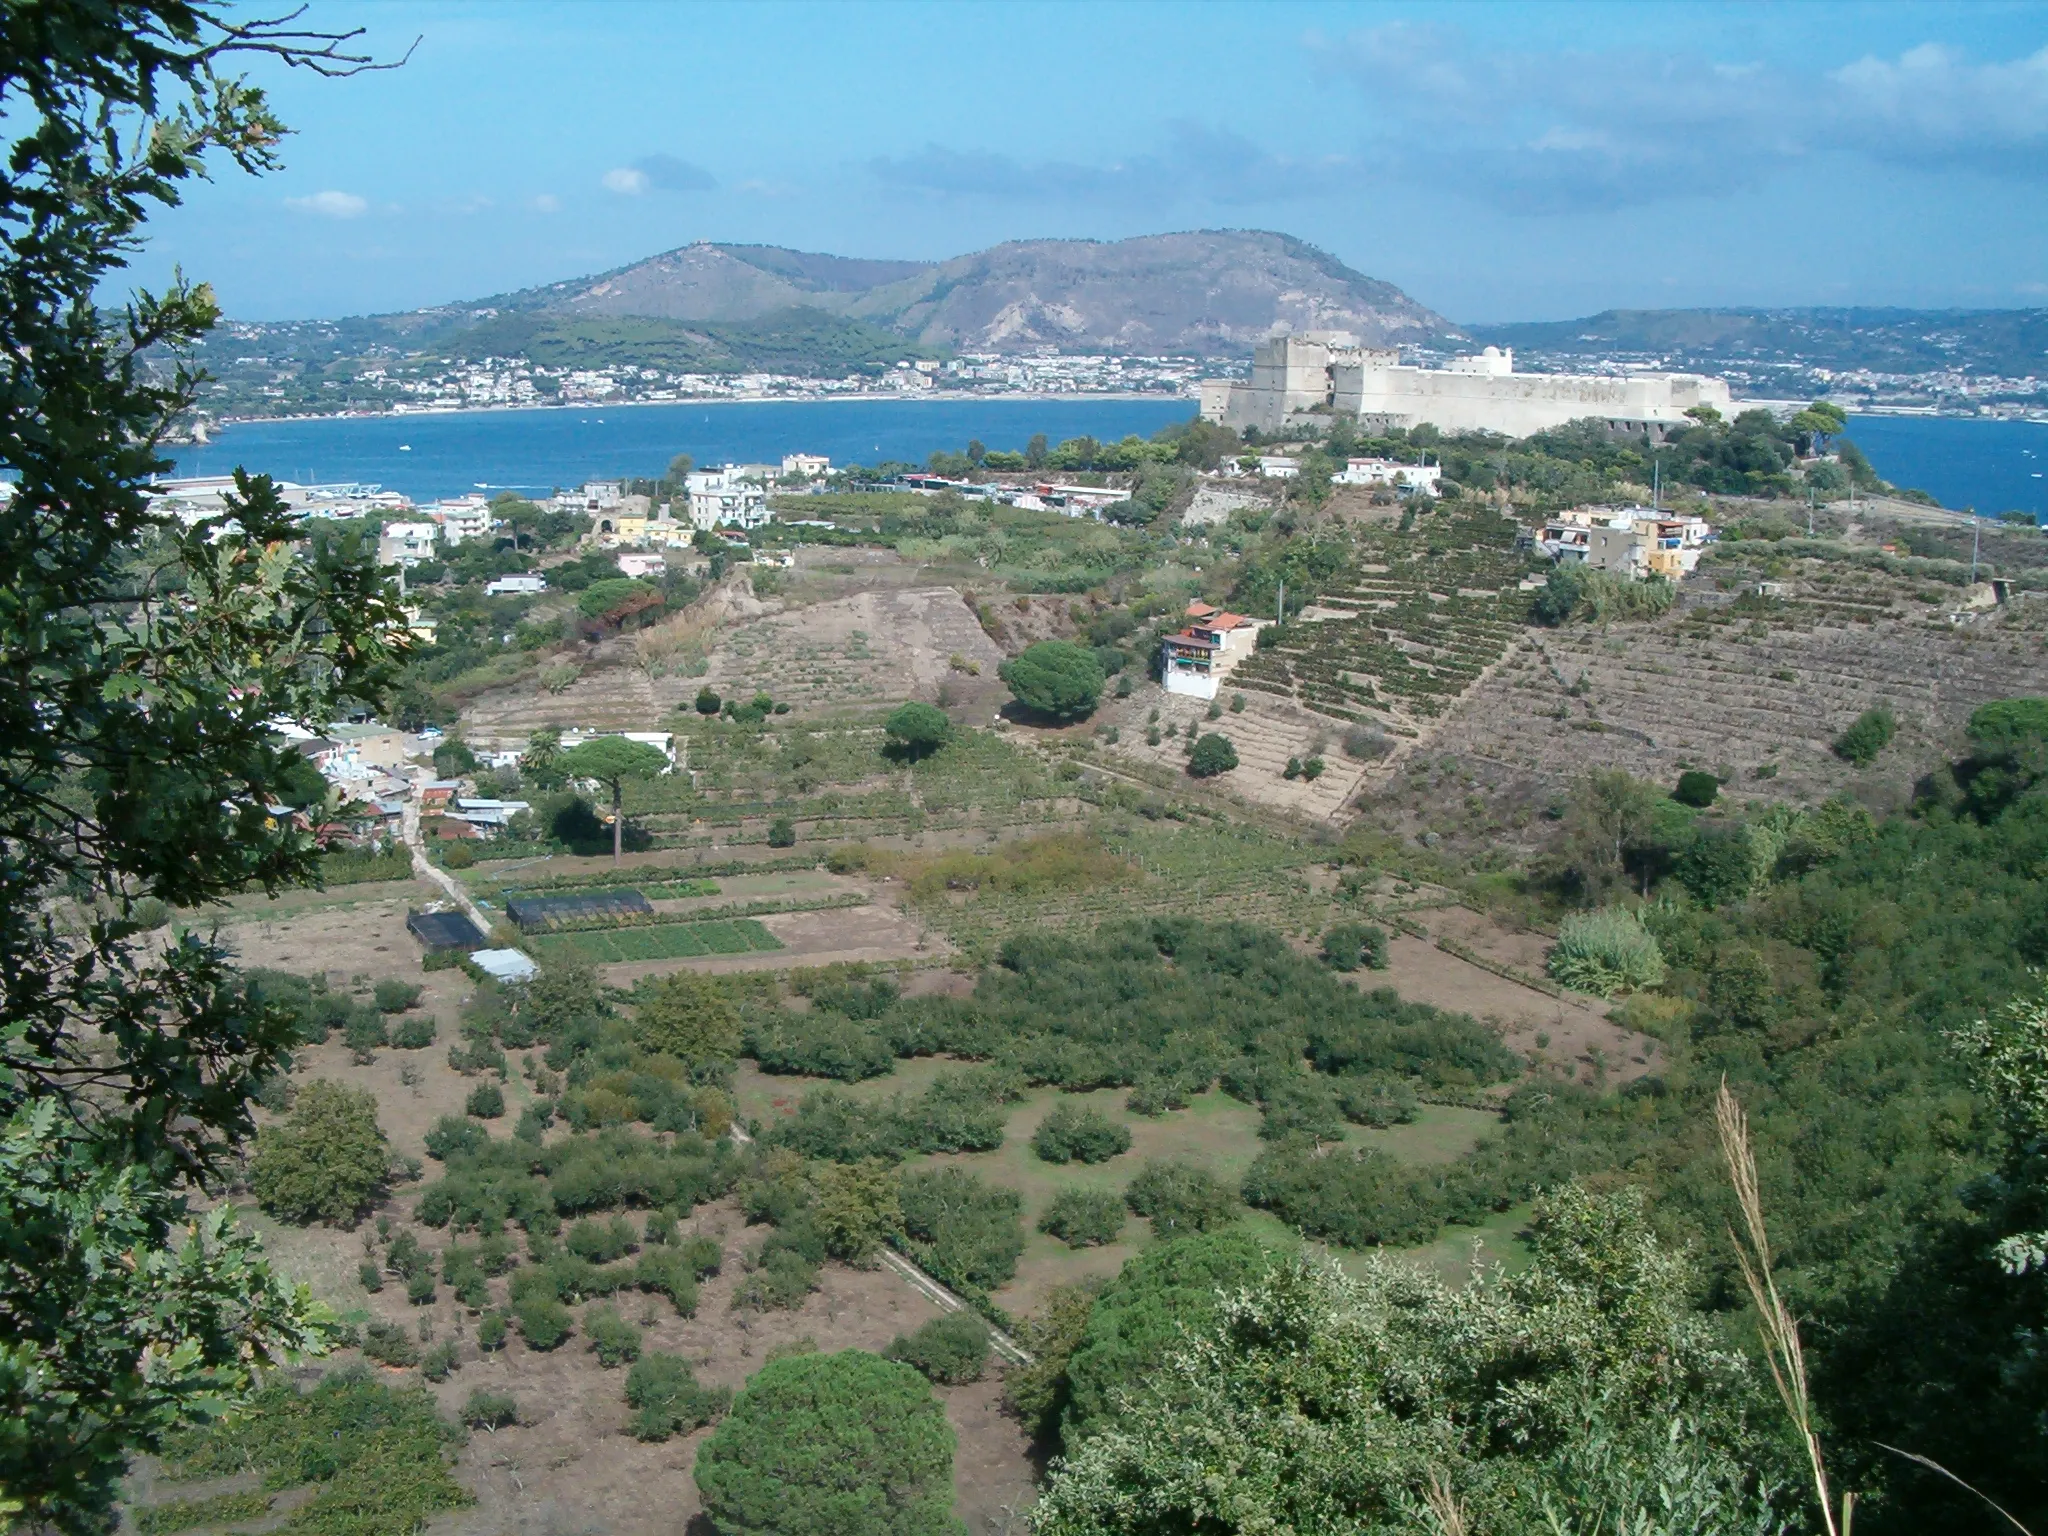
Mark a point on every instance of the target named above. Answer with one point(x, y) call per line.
point(667, 941)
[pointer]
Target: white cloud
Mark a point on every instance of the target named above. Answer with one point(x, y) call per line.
point(626, 180)
point(1932, 105)
point(546, 202)
point(1569, 130)
point(331, 205)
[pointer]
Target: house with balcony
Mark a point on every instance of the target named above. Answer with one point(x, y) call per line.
point(1195, 661)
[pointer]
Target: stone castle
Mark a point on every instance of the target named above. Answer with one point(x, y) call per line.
point(1324, 373)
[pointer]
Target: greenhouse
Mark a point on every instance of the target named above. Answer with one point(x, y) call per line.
point(439, 931)
point(539, 912)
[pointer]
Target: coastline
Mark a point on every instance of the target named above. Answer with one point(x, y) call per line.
point(934, 397)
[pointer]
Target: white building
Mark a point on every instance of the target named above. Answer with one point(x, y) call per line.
point(642, 565)
point(506, 586)
point(407, 544)
point(1195, 661)
point(465, 517)
point(1328, 371)
point(1404, 478)
point(1636, 542)
point(728, 497)
point(812, 466)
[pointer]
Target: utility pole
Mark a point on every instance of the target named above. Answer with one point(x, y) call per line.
point(1657, 486)
point(1280, 608)
point(1976, 533)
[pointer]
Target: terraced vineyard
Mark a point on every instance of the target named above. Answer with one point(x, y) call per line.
point(1415, 623)
point(1757, 687)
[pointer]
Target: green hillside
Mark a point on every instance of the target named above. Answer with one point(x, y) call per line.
point(801, 341)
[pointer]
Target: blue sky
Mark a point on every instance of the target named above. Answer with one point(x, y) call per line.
point(1499, 162)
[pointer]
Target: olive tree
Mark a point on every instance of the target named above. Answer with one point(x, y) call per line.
point(327, 1162)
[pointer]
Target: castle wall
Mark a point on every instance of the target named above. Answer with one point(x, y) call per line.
point(1291, 374)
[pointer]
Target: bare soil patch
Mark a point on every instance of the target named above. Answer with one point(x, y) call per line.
point(1572, 1028)
point(572, 1466)
point(871, 934)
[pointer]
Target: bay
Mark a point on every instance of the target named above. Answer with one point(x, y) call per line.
point(1994, 466)
point(431, 456)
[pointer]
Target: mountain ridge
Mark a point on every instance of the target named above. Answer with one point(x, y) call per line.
point(1200, 292)
point(2001, 342)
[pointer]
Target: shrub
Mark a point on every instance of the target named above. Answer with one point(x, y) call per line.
point(486, 1101)
point(1055, 678)
point(1074, 1134)
point(1364, 744)
point(490, 1410)
point(1347, 946)
point(819, 1444)
point(414, 1033)
point(661, 1227)
point(441, 1361)
point(371, 1276)
point(1139, 1319)
point(781, 1281)
point(1697, 788)
point(1300, 1104)
point(666, 1272)
point(365, 1032)
point(823, 1044)
point(917, 730)
point(1213, 754)
point(951, 1350)
point(1083, 1218)
point(963, 1230)
point(1868, 735)
point(1605, 952)
point(328, 1161)
point(1355, 1196)
point(615, 1341)
point(543, 1322)
point(854, 1208)
point(534, 1121)
point(600, 1242)
point(419, 1289)
point(390, 1344)
point(1378, 1101)
point(669, 1399)
point(689, 1017)
point(782, 833)
point(703, 1255)
point(457, 855)
point(1180, 1198)
point(406, 1258)
point(491, 1330)
point(708, 702)
point(395, 996)
point(1579, 591)
point(1237, 703)
point(452, 1136)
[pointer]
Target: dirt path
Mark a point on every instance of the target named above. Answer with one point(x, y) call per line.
point(427, 870)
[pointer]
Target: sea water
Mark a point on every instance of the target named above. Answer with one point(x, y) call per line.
point(534, 451)
point(1993, 466)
